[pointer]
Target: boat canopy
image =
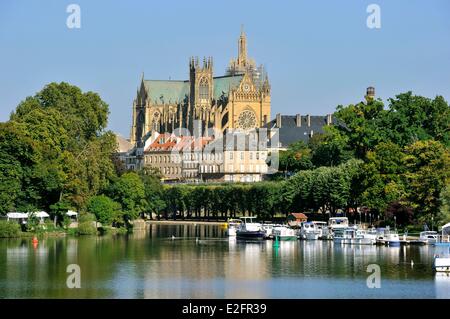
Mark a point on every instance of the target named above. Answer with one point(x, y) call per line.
point(446, 229)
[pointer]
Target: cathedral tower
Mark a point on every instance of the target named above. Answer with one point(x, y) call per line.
point(201, 91)
point(242, 49)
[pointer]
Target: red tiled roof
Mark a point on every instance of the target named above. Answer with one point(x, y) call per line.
point(299, 215)
point(168, 142)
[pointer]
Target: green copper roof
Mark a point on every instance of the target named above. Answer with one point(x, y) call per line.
point(225, 83)
point(172, 91)
point(175, 91)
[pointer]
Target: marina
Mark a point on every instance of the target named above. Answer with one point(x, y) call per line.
point(202, 261)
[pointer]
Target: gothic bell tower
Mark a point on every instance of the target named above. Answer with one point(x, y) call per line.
point(201, 83)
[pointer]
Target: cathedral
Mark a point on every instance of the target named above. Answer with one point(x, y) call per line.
point(238, 100)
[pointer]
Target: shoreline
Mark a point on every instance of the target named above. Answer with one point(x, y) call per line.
point(184, 222)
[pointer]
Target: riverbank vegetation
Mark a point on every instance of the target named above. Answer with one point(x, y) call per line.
point(386, 161)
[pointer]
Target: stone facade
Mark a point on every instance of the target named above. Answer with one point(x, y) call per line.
point(238, 100)
point(238, 157)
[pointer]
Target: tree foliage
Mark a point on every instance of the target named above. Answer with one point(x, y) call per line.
point(54, 148)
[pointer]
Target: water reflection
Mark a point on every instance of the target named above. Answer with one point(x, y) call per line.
point(198, 261)
point(442, 284)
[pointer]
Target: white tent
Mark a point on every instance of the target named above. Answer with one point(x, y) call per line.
point(71, 213)
point(16, 215)
point(39, 214)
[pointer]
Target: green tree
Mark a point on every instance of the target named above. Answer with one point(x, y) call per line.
point(412, 117)
point(154, 193)
point(296, 158)
point(428, 173)
point(360, 124)
point(128, 190)
point(329, 148)
point(105, 209)
point(73, 153)
point(18, 158)
point(383, 177)
point(444, 211)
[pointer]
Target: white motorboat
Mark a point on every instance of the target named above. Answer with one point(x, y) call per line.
point(428, 237)
point(249, 229)
point(369, 234)
point(441, 263)
point(442, 259)
point(268, 229)
point(386, 236)
point(354, 236)
point(338, 222)
point(233, 225)
point(313, 230)
point(283, 232)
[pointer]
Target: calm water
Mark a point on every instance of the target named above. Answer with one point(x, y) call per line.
point(151, 265)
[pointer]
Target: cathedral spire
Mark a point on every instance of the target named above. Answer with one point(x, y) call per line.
point(242, 45)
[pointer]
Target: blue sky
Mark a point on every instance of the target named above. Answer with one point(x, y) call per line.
point(318, 54)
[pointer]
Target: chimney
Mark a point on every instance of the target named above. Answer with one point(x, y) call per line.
point(308, 119)
point(278, 120)
point(298, 120)
point(329, 119)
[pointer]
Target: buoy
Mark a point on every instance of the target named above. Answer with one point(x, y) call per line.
point(173, 237)
point(35, 240)
point(412, 263)
point(276, 244)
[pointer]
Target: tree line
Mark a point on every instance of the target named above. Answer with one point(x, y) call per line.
point(56, 154)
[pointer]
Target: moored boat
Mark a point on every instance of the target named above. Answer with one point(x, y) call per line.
point(249, 229)
point(428, 237)
point(354, 236)
point(441, 260)
point(313, 230)
point(233, 225)
point(335, 223)
point(441, 263)
point(284, 233)
point(386, 236)
point(268, 229)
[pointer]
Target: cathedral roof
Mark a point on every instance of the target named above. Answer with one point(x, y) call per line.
point(225, 83)
point(175, 91)
point(172, 91)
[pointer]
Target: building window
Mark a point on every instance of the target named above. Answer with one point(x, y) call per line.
point(204, 89)
point(251, 155)
point(242, 156)
point(257, 155)
point(231, 155)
